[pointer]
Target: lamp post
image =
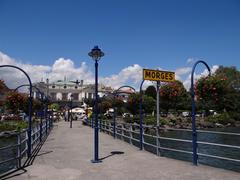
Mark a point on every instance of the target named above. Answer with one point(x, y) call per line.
point(96, 55)
point(71, 102)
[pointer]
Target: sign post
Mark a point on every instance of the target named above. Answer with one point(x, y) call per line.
point(159, 76)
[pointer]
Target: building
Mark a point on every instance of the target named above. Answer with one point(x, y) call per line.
point(63, 91)
point(123, 94)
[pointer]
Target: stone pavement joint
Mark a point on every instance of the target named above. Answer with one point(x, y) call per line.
point(67, 154)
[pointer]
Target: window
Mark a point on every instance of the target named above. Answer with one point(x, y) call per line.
point(75, 96)
point(64, 96)
point(53, 96)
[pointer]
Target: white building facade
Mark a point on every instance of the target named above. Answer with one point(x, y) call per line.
point(65, 90)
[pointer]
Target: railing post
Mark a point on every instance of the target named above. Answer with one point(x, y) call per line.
point(26, 142)
point(143, 139)
point(114, 122)
point(19, 149)
point(109, 127)
point(130, 133)
point(157, 141)
point(46, 119)
point(122, 132)
point(41, 124)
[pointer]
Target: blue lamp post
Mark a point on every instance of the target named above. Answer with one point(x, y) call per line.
point(96, 55)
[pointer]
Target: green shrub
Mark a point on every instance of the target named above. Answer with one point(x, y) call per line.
point(220, 118)
point(12, 125)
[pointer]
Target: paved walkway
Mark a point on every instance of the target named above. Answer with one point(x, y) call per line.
point(66, 155)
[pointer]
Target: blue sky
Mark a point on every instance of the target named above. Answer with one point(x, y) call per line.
point(150, 33)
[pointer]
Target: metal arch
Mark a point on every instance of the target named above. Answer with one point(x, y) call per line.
point(114, 108)
point(23, 85)
point(29, 106)
point(117, 91)
point(194, 132)
point(43, 111)
point(141, 116)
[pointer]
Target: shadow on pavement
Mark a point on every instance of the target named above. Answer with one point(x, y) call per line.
point(112, 154)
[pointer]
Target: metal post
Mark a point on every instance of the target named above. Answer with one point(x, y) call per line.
point(122, 132)
point(30, 127)
point(71, 114)
point(41, 119)
point(158, 117)
point(130, 131)
point(114, 120)
point(141, 118)
point(46, 118)
point(194, 132)
point(19, 156)
point(96, 158)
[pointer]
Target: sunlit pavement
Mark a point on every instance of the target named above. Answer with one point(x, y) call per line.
point(67, 154)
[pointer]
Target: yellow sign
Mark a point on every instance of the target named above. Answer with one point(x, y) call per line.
point(156, 75)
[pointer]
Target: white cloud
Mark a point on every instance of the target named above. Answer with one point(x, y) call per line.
point(62, 67)
point(180, 72)
point(131, 75)
point(190, 60)
point(187, 81)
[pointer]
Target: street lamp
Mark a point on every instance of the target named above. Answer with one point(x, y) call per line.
point(96, 55)
point(71, 106)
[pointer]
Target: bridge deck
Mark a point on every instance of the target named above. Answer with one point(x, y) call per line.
point(66, 155)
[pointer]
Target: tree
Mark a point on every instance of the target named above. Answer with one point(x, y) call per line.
point(211, 92)
point(134, 101)
point(14, 102)
point(2, 85)
point(151, 91)
point(231, 75)
point(173, 96)
point(221, 91)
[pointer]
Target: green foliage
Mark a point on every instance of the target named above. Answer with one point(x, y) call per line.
point(54, 106)
point(89, 102)
point(210, 92)
point(134, 101)
point(174, 96)
point(12, 125)
point(220, 92)
point(151, 92)
point(2, 85)
point(223, 118)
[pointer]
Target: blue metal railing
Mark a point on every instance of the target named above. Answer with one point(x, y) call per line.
point(20, 147)
point(182, 144)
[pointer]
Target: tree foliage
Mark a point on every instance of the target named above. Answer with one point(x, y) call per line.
point(134, 101)
point(15, 102)
point(151, 91)
point(221, 91)
point(173, 96)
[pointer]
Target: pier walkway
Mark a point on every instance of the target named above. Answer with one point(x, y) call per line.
point(67, 154)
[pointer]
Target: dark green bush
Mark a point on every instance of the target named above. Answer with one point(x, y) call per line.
point(12, 125)
point(223, 118)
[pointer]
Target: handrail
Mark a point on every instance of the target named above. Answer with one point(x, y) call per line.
point(21, 152)
point(125, 130)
